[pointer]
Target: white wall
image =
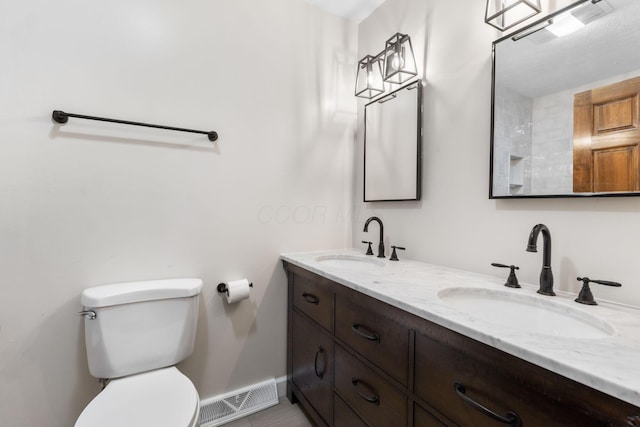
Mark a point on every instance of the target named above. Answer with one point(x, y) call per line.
point(87, 203)
point(455, 224)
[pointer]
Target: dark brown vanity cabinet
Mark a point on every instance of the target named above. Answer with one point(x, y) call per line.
point(356, 361)
point(459, 375)
point(312, 365)
point(311, 345)
point(368, 393)
point(375, 336)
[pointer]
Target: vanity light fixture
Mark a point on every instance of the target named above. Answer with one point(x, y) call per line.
point(398, 66)
point(369, 82)
point(504, 14)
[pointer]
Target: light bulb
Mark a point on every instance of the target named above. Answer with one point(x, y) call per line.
point(369, 79)
point(398, 62)
point(398, 59)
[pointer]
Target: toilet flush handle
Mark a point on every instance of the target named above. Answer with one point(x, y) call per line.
point(88, 314)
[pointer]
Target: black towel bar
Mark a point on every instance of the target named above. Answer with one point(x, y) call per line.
point(62, 117)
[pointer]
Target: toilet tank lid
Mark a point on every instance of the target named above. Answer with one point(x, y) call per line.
point(125, 293)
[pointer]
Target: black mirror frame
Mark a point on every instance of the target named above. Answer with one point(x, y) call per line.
point(419, 112)
point(520, 31)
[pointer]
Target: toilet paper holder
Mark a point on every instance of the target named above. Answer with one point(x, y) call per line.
point(222, 287)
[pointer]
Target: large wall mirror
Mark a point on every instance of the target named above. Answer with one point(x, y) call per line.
point(392, 145)
point(566, 104)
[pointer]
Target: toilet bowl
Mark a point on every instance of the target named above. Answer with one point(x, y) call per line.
point(160, 398)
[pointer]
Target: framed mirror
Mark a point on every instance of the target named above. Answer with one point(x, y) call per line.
point(392, 145)
point(566, 104)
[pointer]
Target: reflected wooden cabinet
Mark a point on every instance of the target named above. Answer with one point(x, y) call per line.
point(606, 123)
point(356, 361)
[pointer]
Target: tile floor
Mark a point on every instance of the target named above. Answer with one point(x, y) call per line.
point(283, 414)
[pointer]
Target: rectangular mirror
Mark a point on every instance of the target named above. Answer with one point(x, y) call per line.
point(566, 104)
point(392, 145)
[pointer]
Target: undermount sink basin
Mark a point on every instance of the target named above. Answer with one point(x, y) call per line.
point(350, 262)
point(526, 313)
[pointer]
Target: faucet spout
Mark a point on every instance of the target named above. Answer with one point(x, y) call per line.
point(546, 275)
point(381, 242)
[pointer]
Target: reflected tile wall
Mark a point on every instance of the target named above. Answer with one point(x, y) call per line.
point(552, 144)
point(512, 136)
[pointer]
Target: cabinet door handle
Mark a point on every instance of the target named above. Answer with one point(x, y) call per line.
point(310, 298)
point(371, 397)
point(511, 417)
point(315, 363)
point(371, 335)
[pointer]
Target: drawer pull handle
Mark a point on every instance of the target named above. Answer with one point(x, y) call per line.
point(511, 417)
point(371, 335)
point(315, 363)
point(310, 298)
point(371, 397)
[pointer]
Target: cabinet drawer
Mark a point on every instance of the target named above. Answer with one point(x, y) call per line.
point(312, 364)
point(422, 418)
point(314, 299)
point(439, 368)
point(344, 416)
point(375, 336)
point(374, 399)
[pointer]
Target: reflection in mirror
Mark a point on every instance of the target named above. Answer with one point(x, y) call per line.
point(392, 145)
point(566, 104)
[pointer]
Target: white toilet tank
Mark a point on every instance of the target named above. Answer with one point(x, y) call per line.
point(139, 326)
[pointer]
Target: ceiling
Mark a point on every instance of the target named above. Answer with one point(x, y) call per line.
point(605, 48)
point(354, 10)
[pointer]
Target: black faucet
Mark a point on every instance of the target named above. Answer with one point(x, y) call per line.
point(381, 243)
point(546, 276)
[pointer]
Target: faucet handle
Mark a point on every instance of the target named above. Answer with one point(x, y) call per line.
point(369, 250)
point(512, 280)
point(394, 255)
point(586, 296)
point(607, 283)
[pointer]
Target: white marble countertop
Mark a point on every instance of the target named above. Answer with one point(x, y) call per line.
point(610, 364)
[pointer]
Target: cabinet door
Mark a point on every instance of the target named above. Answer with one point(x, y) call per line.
point(373, 398)
point(312, 355)
point(457, 384)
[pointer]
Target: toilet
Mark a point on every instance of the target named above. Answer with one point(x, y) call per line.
point(135, 333)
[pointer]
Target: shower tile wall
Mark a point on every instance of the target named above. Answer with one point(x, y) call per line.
point(552, 144)
point(512, 137)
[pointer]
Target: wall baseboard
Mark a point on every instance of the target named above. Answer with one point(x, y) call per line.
point(281, 385)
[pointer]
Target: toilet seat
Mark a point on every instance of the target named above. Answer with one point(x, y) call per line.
point(160, 398)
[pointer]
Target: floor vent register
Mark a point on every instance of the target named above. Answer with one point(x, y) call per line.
point(230, 406)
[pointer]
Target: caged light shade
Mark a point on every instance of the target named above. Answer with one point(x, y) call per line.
point(504, 14)
point(369, 81)
point(399, 62)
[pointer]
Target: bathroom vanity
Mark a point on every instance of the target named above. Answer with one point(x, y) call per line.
point(375, 343)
